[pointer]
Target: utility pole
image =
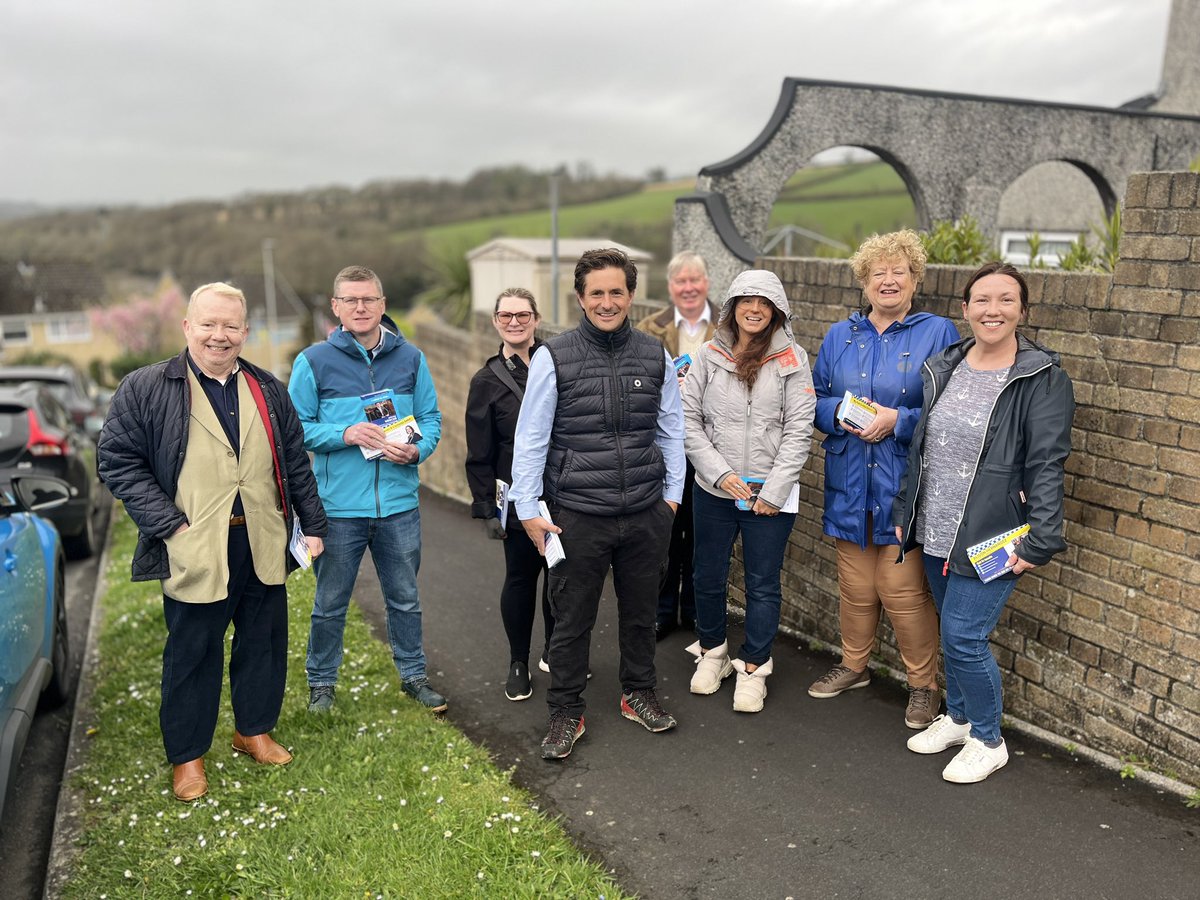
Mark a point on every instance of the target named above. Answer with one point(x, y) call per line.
point(554, 247)
point(268, 249)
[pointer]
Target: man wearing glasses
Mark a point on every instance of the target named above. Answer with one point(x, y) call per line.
point(367, 483)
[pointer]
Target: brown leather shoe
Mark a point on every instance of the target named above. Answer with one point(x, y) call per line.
point(262, 748)
point(190, 782)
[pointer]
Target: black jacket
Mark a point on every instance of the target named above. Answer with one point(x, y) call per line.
point(492, 410)
point(1019, 474)
point(603, 459)
point(141, 451)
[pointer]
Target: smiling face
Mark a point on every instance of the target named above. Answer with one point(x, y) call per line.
point(689, 292)
point(215, 329)
point(753, 315)
point(993, 310)
point(890, 287)
point(359, 306)
point(516, 334)
point(606, 299)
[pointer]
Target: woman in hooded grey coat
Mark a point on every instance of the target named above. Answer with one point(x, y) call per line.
point(748, 406)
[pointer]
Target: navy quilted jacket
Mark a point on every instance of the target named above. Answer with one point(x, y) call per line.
point(141, 451)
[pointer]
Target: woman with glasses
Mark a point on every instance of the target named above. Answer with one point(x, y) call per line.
point(493, 404)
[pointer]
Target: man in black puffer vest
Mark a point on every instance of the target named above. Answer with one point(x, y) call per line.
point(600, 436)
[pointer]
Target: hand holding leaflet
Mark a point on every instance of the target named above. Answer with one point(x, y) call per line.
point(554, 548)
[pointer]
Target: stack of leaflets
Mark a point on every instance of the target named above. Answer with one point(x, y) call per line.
point(790, 505)
point(502, 502)
point(682, 365)
point(299, 546)
point(990, 557)
point(380, 409)
point(554, 548)
point(856, 412)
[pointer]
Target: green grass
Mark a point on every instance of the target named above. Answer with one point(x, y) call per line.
point(382, 800)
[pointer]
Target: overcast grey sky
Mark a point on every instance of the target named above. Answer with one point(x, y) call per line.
point(152, 101)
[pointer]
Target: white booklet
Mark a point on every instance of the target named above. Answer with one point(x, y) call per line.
point(554, 548)
point(502, 502)
point(299, 545)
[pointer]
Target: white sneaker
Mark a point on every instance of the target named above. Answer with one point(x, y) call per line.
point(941, 735)
point(975, 762)
point(751, 688)
point(712, 667)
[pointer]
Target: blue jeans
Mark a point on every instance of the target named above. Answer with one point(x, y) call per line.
point(764, 540)
point(969, 610)
point(395, 544)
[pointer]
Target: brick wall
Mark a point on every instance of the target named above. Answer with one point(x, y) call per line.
point(1102, 645)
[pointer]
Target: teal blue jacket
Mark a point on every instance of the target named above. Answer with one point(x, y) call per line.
point(327, 382)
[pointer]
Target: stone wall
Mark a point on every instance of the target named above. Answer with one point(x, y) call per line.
point(1101, 646)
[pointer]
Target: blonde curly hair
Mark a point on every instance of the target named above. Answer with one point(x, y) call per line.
point(905, 244)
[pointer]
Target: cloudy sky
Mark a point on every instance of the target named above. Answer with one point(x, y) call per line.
point(147, 101)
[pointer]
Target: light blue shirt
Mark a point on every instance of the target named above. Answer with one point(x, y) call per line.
point(537, 420)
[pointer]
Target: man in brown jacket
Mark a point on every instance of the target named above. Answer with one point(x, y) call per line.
point(683, 329)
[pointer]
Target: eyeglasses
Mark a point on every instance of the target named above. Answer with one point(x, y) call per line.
point(521, 317)
point(368, 302)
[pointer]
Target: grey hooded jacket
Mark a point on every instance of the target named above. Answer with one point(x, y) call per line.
point(761, 433)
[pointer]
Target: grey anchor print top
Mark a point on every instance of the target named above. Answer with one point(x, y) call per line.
point(953, 441)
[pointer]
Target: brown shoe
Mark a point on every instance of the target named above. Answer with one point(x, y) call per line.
point(923, 705)
point(839, 678)
point(262, 748)
point(189, 782)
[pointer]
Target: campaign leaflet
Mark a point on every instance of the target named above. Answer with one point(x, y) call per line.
point(502, 502)
point(380, 409)
point(990, 557)
point(682, 365)
point(790, 505)
point(299, 545)
point(856, 412)
point(554, 548)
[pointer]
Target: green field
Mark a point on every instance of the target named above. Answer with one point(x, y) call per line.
point(843, 202)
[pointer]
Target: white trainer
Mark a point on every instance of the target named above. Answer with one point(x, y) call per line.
point(712, 667)
point(943, 734)
point(975, 762)
point(751, 688)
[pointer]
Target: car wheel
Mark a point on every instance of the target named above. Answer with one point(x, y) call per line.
point(82, 545)
point(59, 688)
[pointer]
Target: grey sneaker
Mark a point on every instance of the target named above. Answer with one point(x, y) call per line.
point(839, 678)
point(320, 698)
point(923, 704)
point(643, 707)
point(562, 735)
point(419, 690)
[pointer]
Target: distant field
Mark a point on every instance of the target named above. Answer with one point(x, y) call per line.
point(842, 202)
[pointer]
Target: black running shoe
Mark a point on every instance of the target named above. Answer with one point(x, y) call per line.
point(564, 732)
point(643, 706)
point(518, 686)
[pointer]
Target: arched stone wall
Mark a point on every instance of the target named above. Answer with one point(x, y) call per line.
point(955, 152)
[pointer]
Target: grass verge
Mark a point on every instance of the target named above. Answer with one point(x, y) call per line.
point(381, 800)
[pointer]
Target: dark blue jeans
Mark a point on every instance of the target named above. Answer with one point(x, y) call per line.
point(969, 610)
point(764, 539)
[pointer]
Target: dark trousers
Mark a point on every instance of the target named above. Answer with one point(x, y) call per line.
point(635, 547)
point(194, 656)
point(518, 598)
point(676, 596)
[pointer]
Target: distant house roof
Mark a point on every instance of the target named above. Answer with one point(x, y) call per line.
point(538, 249)
point(48, 286)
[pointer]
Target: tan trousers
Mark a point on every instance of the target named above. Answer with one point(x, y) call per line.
point(870, 578)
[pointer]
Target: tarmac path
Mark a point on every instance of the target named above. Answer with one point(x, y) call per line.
point(809, 798)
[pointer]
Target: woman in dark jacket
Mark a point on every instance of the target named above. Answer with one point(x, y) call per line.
point(987, 461)
point(877, 354)
point(493, 404)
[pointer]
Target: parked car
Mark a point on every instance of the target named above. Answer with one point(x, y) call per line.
point(34, 662)
point(74, 390)
point(37, 436)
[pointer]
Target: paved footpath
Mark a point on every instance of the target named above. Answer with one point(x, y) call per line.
point(809, 798)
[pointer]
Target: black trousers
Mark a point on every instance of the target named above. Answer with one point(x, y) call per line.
point(518, 598)
point(676, 596)
point(635, 547)
point(194, 656)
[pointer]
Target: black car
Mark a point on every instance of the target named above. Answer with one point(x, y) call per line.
point(72, 388)
point(38, 437)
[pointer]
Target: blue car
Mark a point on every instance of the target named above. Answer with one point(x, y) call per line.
point(33, 615)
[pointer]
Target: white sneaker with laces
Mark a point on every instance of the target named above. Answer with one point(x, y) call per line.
point(751, 688)
point(712, 667)
point(943, 734)
point(975, 762)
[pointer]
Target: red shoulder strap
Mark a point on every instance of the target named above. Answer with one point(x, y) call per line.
point(263, 413)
